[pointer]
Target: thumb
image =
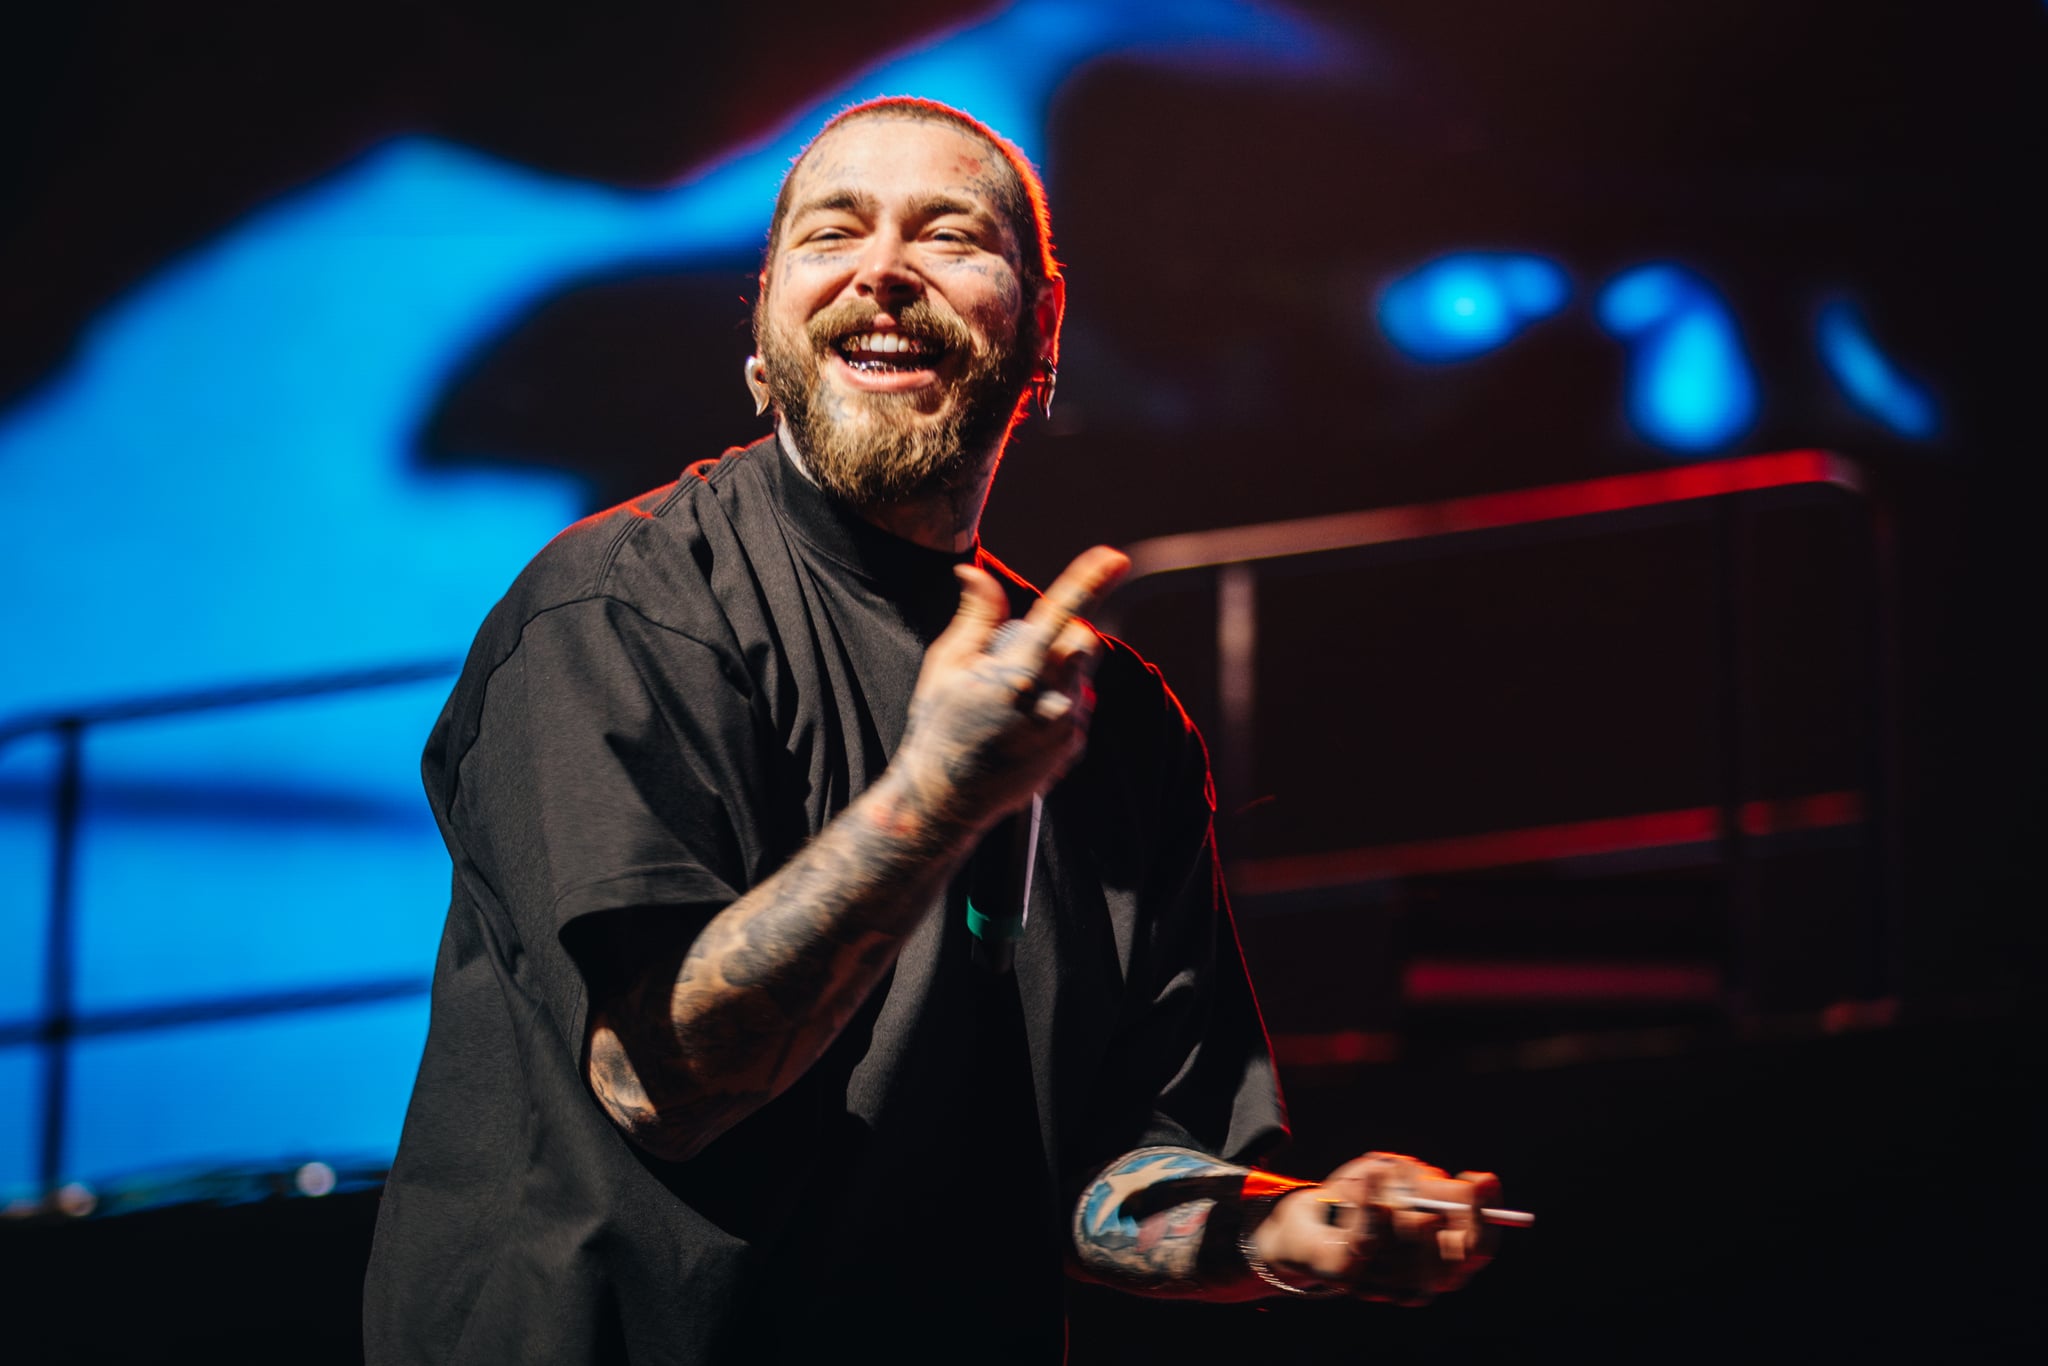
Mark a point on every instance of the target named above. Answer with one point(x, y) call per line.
point(983, 607)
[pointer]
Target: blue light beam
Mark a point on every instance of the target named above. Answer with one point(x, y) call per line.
point(1468, 303)
point(1690, 388)
point(1873, 385)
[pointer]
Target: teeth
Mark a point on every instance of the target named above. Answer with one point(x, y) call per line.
point(882, 343)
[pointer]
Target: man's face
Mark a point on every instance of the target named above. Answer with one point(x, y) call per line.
point(893, 325)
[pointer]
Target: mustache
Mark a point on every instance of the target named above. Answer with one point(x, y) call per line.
point(917, 320)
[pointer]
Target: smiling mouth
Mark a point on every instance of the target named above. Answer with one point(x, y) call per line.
point(885, 353)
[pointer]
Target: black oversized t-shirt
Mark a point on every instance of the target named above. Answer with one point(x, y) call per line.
point(669, 701)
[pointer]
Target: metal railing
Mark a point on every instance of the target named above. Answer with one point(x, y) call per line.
point(59, 1023)
point(1723, 490)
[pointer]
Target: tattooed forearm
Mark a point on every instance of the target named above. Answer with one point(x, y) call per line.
point(1164, 1222)
point(684, 1047)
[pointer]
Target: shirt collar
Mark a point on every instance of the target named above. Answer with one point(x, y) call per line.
point(835, 529)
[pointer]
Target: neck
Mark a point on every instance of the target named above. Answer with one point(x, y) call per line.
point(946, 517)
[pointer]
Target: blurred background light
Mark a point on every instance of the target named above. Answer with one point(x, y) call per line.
point(1873, 385)
point(1467, 303)
point(315, 1179)
point(1689, 386)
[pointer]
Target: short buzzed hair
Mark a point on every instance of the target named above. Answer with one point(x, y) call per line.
point(1019, 195)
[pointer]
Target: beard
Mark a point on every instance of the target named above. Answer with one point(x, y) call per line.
point(874, 449)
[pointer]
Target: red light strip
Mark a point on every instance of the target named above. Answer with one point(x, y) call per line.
point(1540, 844)
point(1550, 502)
point(1817, 811)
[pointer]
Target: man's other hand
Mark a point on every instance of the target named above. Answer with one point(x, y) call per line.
point(1000, 715)
point(1357, 1230)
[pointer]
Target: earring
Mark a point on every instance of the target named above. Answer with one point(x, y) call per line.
point(1048, 379)
point(756, 372)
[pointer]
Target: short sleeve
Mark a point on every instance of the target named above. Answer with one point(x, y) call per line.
point(613, 764)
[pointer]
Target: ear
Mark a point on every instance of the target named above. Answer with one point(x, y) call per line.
point(1049, 310)
point(756, 314)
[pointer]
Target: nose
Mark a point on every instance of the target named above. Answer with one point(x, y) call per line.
point(885, 273)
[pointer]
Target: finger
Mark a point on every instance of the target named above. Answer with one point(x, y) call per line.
point(1451, 1244)
point(1354, 1191)
point(1057, 690)
point(1064, 695)
point(1079, 587)
point(1385, 1176)
point(1480, 1239)
point(1353, 1172)
point(1076, 643)
point(1485, 1187)
point(1413, 1225)
point(983, 607)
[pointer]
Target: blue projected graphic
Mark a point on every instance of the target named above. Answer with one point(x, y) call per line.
point(222, 487)
point(1877, 388)
point(1468, 303)
point(247, 414)
point(1689, 385)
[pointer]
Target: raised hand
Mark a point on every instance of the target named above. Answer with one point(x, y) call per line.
point(999, 714)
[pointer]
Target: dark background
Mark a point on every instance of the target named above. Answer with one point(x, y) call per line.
point(1780, 1191)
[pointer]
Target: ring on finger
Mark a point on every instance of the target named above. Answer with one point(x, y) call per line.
point(1051, 704)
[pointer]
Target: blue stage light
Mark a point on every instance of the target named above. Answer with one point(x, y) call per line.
point(1690, 387)
point(1468, 303)
point(1873, 385)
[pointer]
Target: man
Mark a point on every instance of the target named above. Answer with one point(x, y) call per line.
point(717, 1070)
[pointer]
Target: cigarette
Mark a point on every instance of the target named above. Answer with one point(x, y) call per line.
point(1506, 1218)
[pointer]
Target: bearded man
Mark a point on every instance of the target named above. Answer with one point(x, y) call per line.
point(726, 1061)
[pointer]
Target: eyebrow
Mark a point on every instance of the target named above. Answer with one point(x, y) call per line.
point(845, 200)
point(863, 204)
point(940, 205)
